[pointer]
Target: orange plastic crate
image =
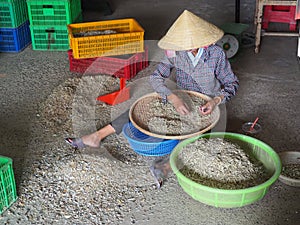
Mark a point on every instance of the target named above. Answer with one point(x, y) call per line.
point(128, 39)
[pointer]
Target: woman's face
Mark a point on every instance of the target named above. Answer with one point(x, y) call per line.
point(193, 50)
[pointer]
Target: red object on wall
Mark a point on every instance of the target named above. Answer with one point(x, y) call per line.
point(279, 14)
point(297, 16)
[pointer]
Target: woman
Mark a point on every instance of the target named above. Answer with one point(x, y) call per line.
point(200, 66)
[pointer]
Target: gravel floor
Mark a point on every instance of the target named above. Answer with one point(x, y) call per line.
point(108, 185)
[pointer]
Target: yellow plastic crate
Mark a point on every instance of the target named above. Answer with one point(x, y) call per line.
point(127, 39)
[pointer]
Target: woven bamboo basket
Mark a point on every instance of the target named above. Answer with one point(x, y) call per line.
point(140, 118)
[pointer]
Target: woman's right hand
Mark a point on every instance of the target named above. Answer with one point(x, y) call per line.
point(180, 106)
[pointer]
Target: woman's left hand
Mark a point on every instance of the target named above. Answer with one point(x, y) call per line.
point(208, 107)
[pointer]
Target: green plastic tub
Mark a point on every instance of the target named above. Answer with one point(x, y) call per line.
point(230, 198)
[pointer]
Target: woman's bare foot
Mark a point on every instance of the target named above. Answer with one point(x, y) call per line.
point(94, 139)
point(91, 140)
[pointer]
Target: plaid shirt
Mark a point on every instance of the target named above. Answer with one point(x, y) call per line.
point(212, 75)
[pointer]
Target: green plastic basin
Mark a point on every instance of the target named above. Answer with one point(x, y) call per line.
point(224, 198)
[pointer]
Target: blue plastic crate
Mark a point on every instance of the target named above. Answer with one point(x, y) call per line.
point(15, 39)
point(146, 145)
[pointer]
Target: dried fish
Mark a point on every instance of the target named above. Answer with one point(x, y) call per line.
point(221, 164)
point(93, 33)
point(162, 118)
point(291, 171)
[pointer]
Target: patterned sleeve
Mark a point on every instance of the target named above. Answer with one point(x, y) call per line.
point(227, 78)
point(157, 79)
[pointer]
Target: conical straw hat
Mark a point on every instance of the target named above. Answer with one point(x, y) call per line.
point(188, 32)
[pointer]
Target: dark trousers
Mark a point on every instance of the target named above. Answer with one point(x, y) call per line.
point(120, 121)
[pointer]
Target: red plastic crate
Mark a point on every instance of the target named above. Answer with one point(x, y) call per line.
point(125, 66)
point(142, 61)
point(279, 14)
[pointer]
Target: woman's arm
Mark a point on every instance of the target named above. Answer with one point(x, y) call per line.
point(227, 78)
point(158, 77)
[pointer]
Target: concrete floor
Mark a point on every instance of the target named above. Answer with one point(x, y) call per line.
point(269, 89)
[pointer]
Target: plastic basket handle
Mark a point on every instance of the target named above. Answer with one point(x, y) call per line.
point(48, 10)
point(50, 30)
point(51, 36)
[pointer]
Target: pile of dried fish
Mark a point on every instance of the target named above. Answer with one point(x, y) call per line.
point(94, 33)
point(73, 103)
point(291, 171)
point(60, 185)
point(56, 110)
point(221, 164)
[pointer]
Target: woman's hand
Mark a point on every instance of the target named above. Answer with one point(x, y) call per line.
point(180, 106)
point(209, 106)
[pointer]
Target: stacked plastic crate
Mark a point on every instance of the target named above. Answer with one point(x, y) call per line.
point(8, 191)
point(113, 47)
point(14, 26)
point(48, 22)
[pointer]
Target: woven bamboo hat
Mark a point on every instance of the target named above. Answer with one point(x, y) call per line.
point(188, 32)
